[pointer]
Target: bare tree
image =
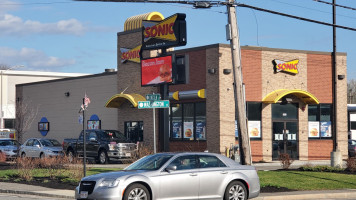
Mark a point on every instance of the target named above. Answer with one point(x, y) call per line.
point(25, 115)
point(351, 91)
point(4, 67)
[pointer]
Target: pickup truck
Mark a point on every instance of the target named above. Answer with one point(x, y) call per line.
point(101, 145)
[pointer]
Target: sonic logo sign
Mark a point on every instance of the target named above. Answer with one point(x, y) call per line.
point(170, 32)
point(131, 54)
point(289, 66)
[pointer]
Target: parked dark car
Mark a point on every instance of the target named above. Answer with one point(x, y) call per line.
point(102, 145)
point(9, 147)
point(176, 176)
point(40, 148)
point(352, 148)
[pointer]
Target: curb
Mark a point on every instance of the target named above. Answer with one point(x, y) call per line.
point(306, 195)
point(36, 194)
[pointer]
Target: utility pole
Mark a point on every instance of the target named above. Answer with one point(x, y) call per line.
point(240, 108)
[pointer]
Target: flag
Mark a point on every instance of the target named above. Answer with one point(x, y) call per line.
point(86, 103)
point(86, 100)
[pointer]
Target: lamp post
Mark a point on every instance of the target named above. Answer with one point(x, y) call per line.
point(1, 95)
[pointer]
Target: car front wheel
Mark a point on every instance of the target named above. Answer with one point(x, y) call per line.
point(137, 192)
point(236, 191)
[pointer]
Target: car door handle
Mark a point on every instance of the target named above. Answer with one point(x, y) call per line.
point(223, 172)
point(193, 174)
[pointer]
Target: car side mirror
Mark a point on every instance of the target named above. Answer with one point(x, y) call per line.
point(171, 168)
point(92, 139)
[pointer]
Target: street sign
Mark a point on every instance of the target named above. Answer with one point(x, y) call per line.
point(153, 97)
point(153, 104)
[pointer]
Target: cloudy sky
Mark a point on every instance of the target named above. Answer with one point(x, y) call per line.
point(80, 37)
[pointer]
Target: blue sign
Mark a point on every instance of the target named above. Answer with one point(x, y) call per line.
point(43, 126)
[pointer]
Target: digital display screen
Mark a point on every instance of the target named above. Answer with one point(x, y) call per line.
point(43, 126)
point(156, 71)
point(94, 124)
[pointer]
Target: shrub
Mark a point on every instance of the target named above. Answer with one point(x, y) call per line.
point(2, 157)
point(351, 164)
point(320, 168)
point(25, 168)
point(285, 159)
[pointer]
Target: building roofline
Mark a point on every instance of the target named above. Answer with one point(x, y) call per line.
point(68, 78)
point(40, 73)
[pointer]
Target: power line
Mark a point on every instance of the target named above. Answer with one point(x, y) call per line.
point(338, 5)
point(295, 17)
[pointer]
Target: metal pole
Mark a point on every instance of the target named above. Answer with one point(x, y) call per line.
point(84, 141)
point(154, 130)
point(334, 80)
point(240, 110)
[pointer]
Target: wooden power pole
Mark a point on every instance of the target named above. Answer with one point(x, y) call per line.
point(240, 108)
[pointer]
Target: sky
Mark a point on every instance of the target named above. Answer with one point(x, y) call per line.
point(81, 37)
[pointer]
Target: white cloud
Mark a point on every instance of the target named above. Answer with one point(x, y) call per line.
point(32, 59)
point(6, 5)
point(12, 25)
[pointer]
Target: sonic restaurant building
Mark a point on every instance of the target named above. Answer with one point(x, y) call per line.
point(288, 98)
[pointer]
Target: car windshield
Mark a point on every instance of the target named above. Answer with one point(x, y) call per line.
point(9, 143)
point(151, 162)
point(50, 143)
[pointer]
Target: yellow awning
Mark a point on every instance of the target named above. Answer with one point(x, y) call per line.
point(118, 99)
point(276, 95)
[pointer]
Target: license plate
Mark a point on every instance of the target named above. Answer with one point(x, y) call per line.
point(128, 154)
point(84, 194)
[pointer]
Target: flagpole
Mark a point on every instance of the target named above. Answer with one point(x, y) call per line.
point(84, 140)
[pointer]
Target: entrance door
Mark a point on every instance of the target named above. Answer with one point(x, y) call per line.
point(285, 139)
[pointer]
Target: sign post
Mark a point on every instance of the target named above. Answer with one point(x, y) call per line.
point(153, 102)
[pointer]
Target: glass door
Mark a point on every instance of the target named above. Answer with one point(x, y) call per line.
point(285, 139)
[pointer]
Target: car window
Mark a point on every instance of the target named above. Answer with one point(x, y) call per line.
point(210, 161)
point(185, 162)
point(29, 142)
point(55, 142)
point(353, 142)
point(35, 142)
point(4, 143)
point(92, 135)
point(9, 143)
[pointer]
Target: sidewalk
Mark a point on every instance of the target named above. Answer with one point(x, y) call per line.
point(16, 188)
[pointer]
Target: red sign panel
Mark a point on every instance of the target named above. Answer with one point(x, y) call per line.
point(156, 70)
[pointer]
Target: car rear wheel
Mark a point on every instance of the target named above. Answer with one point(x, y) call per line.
point(103, 157)
point(137, 192)
point(23, 155)
point(41, 155)
point(70, 155)
point(236, 191)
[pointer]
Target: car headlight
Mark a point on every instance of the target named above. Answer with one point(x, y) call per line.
point(109, 183)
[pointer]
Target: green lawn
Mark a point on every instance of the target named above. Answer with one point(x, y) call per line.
point(295, 180)
point(305, 180)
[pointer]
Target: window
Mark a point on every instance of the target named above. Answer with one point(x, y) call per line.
point(210, 161)
point(188, 121)
point(319, 117)
point(353, 125)
point(185, 162)
point(134, 130)
point(9, 123)
point(285, 111)
point(254, 110)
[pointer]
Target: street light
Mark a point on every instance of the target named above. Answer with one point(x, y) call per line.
point(1, 101)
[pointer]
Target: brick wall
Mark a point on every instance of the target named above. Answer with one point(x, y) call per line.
point(256, 150)
point(252, 74)
point(319, 149)
point(175, 146)
point(319, 77)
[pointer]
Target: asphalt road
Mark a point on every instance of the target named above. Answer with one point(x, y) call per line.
point(8, 196)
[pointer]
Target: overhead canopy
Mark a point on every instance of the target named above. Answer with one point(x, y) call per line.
point(277, 95)
point(118, 99)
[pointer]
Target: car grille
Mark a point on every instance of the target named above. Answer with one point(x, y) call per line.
point(87, 186)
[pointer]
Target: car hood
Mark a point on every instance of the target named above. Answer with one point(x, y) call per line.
point(114, 175)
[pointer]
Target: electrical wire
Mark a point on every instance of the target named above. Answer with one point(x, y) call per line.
point(338, 5)
point(295, 17)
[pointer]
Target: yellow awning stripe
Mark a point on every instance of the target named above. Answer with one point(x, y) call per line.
point(303, 95)
point(118, 99)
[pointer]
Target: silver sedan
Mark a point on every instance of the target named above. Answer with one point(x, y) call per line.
point(40, 148)
point(175, 176)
